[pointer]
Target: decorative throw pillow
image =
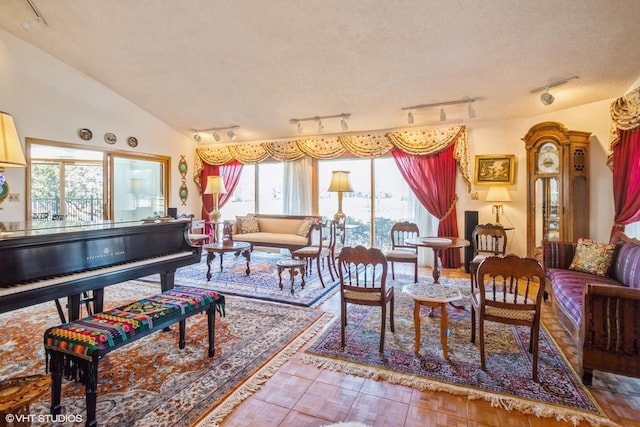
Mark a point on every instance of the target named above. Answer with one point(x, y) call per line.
point(247, 224)
point(592, 257)
point(305, 226)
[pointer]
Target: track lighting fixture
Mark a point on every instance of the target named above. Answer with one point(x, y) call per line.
point(443, 114)
point(216, 136)
point(470, 111)
point(410, 118)
point(196, 135)
point(546, 98)
point(343, 121)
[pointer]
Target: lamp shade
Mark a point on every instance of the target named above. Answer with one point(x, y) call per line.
point(340, 182)
point(215, 185)
point(11, 155)
point(498, 194)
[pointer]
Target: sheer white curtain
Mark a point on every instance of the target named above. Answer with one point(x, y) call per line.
point(428, 226)
point(296, 187)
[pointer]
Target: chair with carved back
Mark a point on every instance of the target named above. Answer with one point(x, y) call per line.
point(363, 280)
point(197, 231)
point(317, 252)
point(487, 240)
point(508, 291)
point(400, 250)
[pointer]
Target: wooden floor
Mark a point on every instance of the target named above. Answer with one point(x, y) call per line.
point(303, 395)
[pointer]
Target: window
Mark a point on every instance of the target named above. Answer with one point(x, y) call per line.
point(243, 200)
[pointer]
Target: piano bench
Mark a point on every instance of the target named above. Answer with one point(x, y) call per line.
point(75, 348)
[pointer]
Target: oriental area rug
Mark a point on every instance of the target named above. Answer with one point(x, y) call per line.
point(151, 382)
point(262, 282)
point(507, 382)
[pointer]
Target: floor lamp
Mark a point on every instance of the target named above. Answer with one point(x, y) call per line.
point(340, 184)
point(215, 186)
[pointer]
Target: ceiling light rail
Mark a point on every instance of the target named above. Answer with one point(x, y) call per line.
point(343, 121)
point(230, 133)
point(443, 114)
point(546, 98)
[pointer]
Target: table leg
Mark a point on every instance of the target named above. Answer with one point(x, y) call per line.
point(436, 265)
point(292, 275)
point(302, 274)
point(210, 257)
point(416, 324)
point(280, 277)
point(444, 330)
point(221, 254)
point(247, 255)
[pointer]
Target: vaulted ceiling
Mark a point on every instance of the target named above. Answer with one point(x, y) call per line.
point(258, 64)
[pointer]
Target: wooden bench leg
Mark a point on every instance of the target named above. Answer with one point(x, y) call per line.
point(181, 343)
point(56, 366)
point(91, 392)
point(211, 326)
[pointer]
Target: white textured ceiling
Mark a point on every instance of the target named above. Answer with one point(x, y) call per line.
point(258, 63)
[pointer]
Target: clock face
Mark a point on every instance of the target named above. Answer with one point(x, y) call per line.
point(548, 160)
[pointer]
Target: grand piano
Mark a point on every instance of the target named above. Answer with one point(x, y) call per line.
point(49, 260)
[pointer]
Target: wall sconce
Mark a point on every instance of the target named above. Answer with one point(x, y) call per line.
point(11, 154)
point(498, 195)
point(343, 121)
point(443, 114)
point(546, 98)
point(340, 184)
point(215, 186)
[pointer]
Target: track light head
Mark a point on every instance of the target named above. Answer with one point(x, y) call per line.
point(443, 115)
point(320, 126)
point(471, 112)
point(300, 128)
point(546, 98)
point(344, 124)
point(216, 135)
point(231, 134)
point(410, 118)
point(197, 137)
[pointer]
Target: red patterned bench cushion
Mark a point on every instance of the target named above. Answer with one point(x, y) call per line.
point(82, 338)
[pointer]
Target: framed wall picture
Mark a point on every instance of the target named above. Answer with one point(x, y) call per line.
point(495, 169)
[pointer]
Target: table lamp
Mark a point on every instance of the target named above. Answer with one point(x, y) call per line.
point(497, 195)
point(215, 186)
point(340, 184)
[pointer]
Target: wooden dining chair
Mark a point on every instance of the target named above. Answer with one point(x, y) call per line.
point(487, 240)
point(314, 252)
point(363, 280)
point(508, 291)
point(402, 251)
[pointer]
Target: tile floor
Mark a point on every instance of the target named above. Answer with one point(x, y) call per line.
point(303, 395)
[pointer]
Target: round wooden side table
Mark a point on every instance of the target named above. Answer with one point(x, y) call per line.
point(293, 265)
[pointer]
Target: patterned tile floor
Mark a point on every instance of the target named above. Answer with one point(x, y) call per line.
point(303, 395)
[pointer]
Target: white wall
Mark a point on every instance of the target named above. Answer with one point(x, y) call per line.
point(50, 100)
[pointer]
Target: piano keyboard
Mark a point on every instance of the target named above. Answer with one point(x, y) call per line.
point(85, 274)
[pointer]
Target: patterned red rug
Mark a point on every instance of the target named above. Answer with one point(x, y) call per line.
point(151, 382)
point(506, 382)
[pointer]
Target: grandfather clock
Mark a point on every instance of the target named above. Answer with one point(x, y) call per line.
point(558, 185)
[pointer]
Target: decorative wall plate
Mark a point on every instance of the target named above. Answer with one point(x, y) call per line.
point(184, 193)
point(85, 134)
point(132, 141)
point(182, 166)
point(110, 138)
point(4, 191)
